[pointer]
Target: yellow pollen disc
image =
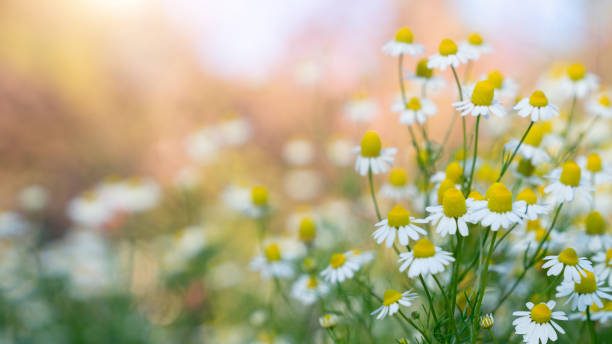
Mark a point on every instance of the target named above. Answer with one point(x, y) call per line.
point(593, 162)
point(398, 217)
point(541, 234)
point(525, 167)
point(486, 173)
point(454, 203)
point(445, 185)
point(337, 260)
point(605, 101)
point(90, 196)
point(533, 225)
point(356, 252)
point(576, 71)
point(496, 78)
point(570, 175)
point(308, 230)
point(397, 177)
point(528, 196)
point(499, 198)
point(413, 104)
point(607, 307)
point(587, 284)
point(447, 47)
point(540, 313)
point(453, 171)
point(476, 196)
point(609, 257)
point(423, 249)
point(475, 39)
point(422, 70)
point(391, 296)
point(272, 253)
point(404, 35)
point(459, 155)
point(568, 257)
point(483, 93)
point(534, 136)
point(538, 99)
point(312, 282)
point(259, 195)
point(370, 145)
point(595, 223)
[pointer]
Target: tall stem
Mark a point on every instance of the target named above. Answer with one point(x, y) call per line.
point(373, 194)
point(462, 118)
point(454, 282)
point(591, 326)
point(429, 299)
point(469, 186)
point(483, 284)
point(506, 164)
point(570, 118)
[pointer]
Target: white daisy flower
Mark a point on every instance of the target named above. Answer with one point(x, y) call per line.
point(498, 210)
point(453, 172)
point(392, 300)
point(308, 289)
point(398, 223)
point(565, 182)
point(538, 324)
point(424, 259)
point(600, 105)
point(416, 109)
point(424, 76)
point(537, 107)
point(533, 235)
point(526, 171)
point(360, 108)
point(595, 171)
point(481, 102)
point(397, 188)
point(272, 263)
point(371, 156)
point(567, 262)
point(530, 148)
point(583, 294)
point(534, 210)
point(340, 268)
point(360, 257)
point(257, 204)
point(452, 215)
point(603, 314)
point(505, 88)
point(448, 55)
point(90, 210)
point(403, 44)
point(603, 266)
point(476, 46)
point(328, 320)
point(578, 83)
point(594, 238)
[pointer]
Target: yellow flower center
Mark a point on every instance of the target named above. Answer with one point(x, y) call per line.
point(398, 216)
point(476, 196)
point(568, 257)
point(587, 284)
point(308, 230)
point(413, 104)
point(593, 162)
point(576, 71)
point(312, 282)
point(483, 93)
point(534, 136)
point(525, 167)
point(540, 313)
point(423, 249)
point(272, 253)
point(570, 175)
point(422, 70)
point(259, 195)
point(453, 171)
point(595, 223)
point(538, 99)
point(370, 145)
point(605, 101)
point(404, 35)
point(454, 203)
point(496, 78)
point(609, 258)
point(541, 234)
point(337, 260)
point(445, 185)
point(533, 225)
point(607, 307)
point(499, 198)
point(447, 47)
point(528, 196)
point(475, 39)
point(487, 173)
point(397, 177)
point(90, 196)
point(391, 296)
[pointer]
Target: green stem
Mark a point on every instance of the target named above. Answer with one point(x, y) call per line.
point(462, 117)
point(570, 118)
point(454, 282)
point(506, 164)
point(492, 336)
point(483, 284)
point(469, 186)
point(591, 326)
point(429, 299)
point(373, 194)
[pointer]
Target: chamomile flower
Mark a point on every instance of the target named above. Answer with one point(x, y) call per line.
point(424, 259)
point(360, 257)
point(476, 46)
point(533, 208)
point(257, 205)
point(360, 108)
point(308, 289)
point(392, 299)
point(603, 266)
point(595, 236)
point(498, 210)
point(425, 76)
point(416, 109)
point(452, 215)
point(448, 55)
point(340, 268)
point(602, 314)
point(537, 107)
point(371, 155)
point(487, 321)
point(481, 102)
point(505, 88)
point(89, 210)
point(530, 148)
point(398, 223)
point(566, 181)
point(594, 169)
point(397, 187)
point(329, 320)
point(403, 43)
point(526, 171)
point(569, 263)
point(600, 105)
point(453, 172)
point(538, 324)
point(272, 263)
point(584, 293)
point(577, 82)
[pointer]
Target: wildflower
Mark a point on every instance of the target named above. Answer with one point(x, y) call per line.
point(594, 237)
point(526, 171)
point(371, 155)
point(504, 87)
point(584, 293)
point(308, 289)
point(451, 215)
point(594, 169)
point(600, 105)
point(481, 102)
point(568, 263)
point(425, 76)
point(307, 231)
point(577, 82)
point(603, 268)
point(533, 208)
point(415, 109)
point(403, 43)
point(257, 205)
point(538, 324)
point(360, 108)
point(530, 148)
point(398, 222)
point(448, 55)
point(425, 258)
point(203, 146)
point(392, 300)
point(340, 268)
point(537, 107)
point(486, 321)
point(566, 181)
point(602, 314)
point(339, 152)
point(298, 152)
point(272, 263)
point(475, 45)
point(397, 187)
point(453, 172)
point(34, 198)
point(360, 257)
point(328, 320)
point(89, 210)
point(498, 210)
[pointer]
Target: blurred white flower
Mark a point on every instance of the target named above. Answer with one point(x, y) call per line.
point(339, 152)
point(89, 210)
point(33, 197)
point(203, 146)
point(298, 152)
point(303, 184)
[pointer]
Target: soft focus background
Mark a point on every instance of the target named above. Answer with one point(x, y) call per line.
point(192, 97)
